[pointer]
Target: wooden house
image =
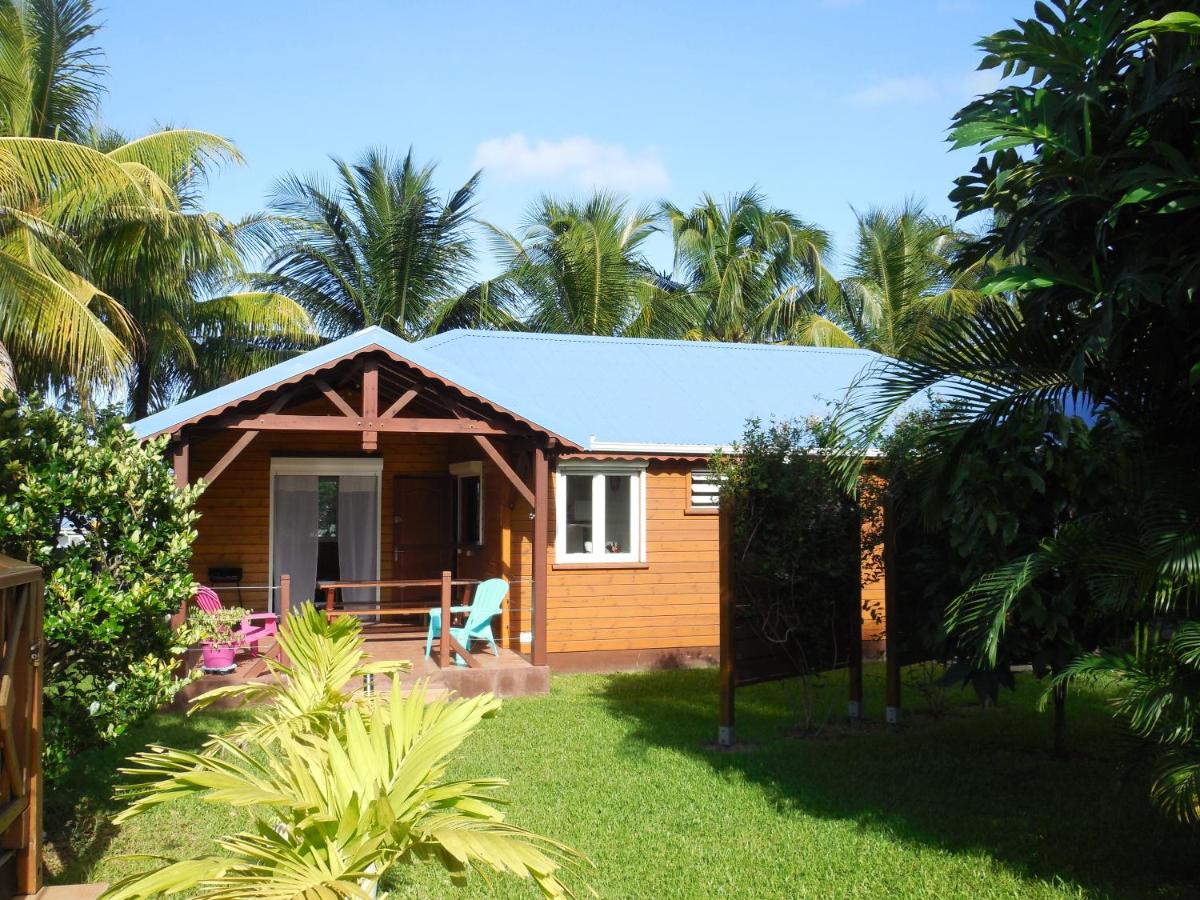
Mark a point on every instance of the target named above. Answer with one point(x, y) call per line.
point(573, 467)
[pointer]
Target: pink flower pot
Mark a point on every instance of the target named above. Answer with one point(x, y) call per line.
point(218, 658)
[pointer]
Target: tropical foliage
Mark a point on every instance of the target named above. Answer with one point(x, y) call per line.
point(1092, 174)
point(100, 513)
point(752, 273)
point(104, 250)
point(343, 787)
point(377, 246)
point(901, 282)
point(578, 267)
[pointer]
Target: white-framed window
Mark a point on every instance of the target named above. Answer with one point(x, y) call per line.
point(706, 490)
point(468, 503)
point(600, 512)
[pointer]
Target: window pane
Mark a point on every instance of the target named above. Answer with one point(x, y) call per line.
point(327, 507)
point(579, 513)
point(618, 500)
point(469, 501)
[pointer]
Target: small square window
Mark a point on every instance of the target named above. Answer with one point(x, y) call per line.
point(600, 514)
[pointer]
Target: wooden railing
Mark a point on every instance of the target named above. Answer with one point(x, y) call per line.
point(21, 609)
point(447, 646)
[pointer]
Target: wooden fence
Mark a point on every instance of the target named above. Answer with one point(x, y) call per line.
point(21, 609)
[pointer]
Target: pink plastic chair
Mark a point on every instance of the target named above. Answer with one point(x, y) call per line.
point(250, 633)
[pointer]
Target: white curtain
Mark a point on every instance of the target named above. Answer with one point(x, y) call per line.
point(358, 533)
point(295, 538)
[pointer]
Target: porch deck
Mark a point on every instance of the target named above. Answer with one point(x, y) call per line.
point(508, 675)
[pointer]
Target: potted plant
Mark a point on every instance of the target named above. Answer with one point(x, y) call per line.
point(217, 634)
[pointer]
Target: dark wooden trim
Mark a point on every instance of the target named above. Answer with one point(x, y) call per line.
point(180, 463)
point(403, 401)
point(728, 673)
point(502, 464)
point(541, 540)
point(370, 403)
point(242, 442)
point(280, 422)
point(335, 398)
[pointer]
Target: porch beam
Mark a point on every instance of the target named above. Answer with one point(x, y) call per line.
point(242, 443)
point(403, 401)
point(179, 463)
point(370, 403)
point(541, 539)
point(502, 464)
point(335, 398)
point(279, 422)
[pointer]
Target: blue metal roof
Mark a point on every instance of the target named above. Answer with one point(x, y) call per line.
point(612, 393)
point(600, 393)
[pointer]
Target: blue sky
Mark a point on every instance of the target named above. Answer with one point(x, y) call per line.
point(824, 105)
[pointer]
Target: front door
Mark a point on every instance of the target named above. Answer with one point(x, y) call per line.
point(423, 534)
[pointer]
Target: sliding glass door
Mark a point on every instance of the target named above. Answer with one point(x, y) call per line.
point(325, 526)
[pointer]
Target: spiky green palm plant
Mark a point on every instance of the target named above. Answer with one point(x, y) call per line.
point(343, 787)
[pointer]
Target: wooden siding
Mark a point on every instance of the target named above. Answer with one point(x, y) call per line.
point(670, 602)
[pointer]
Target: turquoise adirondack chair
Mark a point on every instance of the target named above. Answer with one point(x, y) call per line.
point(489, 597)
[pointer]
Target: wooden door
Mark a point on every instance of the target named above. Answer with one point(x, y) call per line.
point(422, 534)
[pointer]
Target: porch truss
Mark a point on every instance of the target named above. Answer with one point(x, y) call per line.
point(413, 401)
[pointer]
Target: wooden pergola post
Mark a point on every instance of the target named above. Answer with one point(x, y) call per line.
point(725, 725)
point(541, 538)
point(854, 668)
point(891, 617)
point(370, 404)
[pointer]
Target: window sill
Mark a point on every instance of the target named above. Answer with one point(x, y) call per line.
point(701, 511)
point(580, 566)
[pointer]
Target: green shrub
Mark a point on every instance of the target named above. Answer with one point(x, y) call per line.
point(100, 513)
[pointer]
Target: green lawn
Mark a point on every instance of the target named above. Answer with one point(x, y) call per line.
point(619, 766)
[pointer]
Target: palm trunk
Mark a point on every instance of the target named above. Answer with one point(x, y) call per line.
point(1059, 692)
point(8, 373)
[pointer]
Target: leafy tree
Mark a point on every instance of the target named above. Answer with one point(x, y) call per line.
point(1091, 170)
point(795, 545)
point(100, 513)
point(578, 268)
point(343, 787)
point(377, 246)
point(901, 282)
point(90, 221)
point(751, 273)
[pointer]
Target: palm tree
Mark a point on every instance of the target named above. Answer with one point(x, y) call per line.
point(99, 235)
point(179, 277)
point(376, 247)
point(901, 282)
point(752, 273)
point(578, 268)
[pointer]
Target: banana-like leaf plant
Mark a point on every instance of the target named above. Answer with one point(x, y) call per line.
point(351, 785)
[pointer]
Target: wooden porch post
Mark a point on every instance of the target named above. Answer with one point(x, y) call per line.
point(541, 538)
point(727, 603)
point(444, 638)
point(891, 613)
point(855, 650)
point(285, 598)
point(180, 463)
point(29, 857)
point(370, 403)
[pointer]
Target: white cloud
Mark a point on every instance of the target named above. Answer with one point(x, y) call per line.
point(579, 160)
point(889, 91)
point(913, 89)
